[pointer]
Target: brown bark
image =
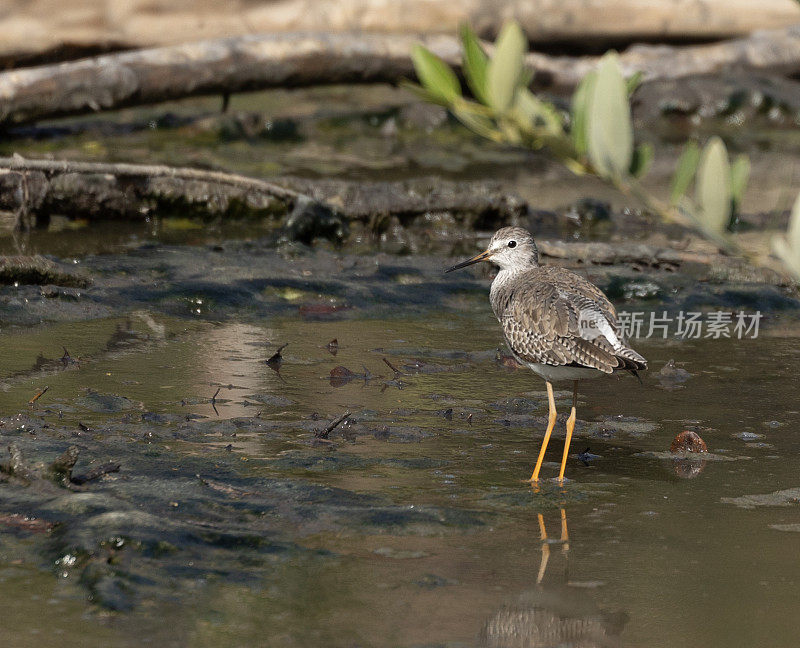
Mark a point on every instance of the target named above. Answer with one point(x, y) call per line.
point(98, 190)
point(267, 61)
point(35, 189)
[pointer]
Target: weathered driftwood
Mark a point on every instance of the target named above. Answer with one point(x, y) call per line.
point(100, 190)
point(290, 60)
point(774, 51)
point(60, 27)
point(35, 189)
point(371, 201)
point(207, 67)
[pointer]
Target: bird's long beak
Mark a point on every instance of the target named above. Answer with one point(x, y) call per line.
point(483, 256)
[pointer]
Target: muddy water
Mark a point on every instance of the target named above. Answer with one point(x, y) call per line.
point(231, 522)
point(627, 552)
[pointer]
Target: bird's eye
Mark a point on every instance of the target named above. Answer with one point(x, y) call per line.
point(512, 244)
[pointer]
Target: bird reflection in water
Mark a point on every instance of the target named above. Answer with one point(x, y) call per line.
point(553, 615)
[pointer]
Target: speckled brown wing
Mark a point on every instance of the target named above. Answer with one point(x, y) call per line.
point(540, 312)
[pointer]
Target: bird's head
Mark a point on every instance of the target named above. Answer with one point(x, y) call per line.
point(510, 248)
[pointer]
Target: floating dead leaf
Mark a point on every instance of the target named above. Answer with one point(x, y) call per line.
point(276, 359)
point(340, 376)
point(507, 361)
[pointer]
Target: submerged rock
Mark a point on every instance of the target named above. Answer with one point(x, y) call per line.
point(786, 497)
point(39, 271)
point(671, 377)
point(107, 403)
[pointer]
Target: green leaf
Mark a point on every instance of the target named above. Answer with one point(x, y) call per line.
point(537, 113)
point(713, 190)
point(740, 173)
point(610, 132)
point(475, 63)
point(505, 67)
point(467, 114)
point(633, 82)
point(436, 76)
point(423, 94)
point(642, 159)
point(684, 171)
point(580, 112)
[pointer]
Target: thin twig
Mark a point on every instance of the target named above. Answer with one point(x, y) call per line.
point(394, 369)
point(39, 394)
point(323, 434)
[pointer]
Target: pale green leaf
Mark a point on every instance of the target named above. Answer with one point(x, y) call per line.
point(713, 189)
point(505, 67)
point(580, 112)
point(740, 173)
point(788, 255)
point(538, 113)
point(642, 159)
point(633, 82)
point(576, 167)
point(476, 63)
point(475, 121)
point(436, 76)
point(424, 94)
point(793, 231)
point(787, 248)
point(684, 171)
point(610, 131)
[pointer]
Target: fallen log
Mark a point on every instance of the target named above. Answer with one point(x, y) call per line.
point(36, 189)
point(102, 190)
point(42, 28)
point(250, 63)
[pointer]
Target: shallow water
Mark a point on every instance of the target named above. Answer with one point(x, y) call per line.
point(230, 522)
point(651, 560)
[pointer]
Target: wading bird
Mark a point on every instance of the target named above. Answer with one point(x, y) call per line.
point(555, 322)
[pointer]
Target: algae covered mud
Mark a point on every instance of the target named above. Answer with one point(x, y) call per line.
point(210, 434)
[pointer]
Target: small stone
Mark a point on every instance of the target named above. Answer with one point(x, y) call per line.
point(748, 436)
point(688, 441)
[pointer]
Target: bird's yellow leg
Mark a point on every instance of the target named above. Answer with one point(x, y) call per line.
point(545, 550)
point(551, 421)
point(565, 544)
point(570, 428)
